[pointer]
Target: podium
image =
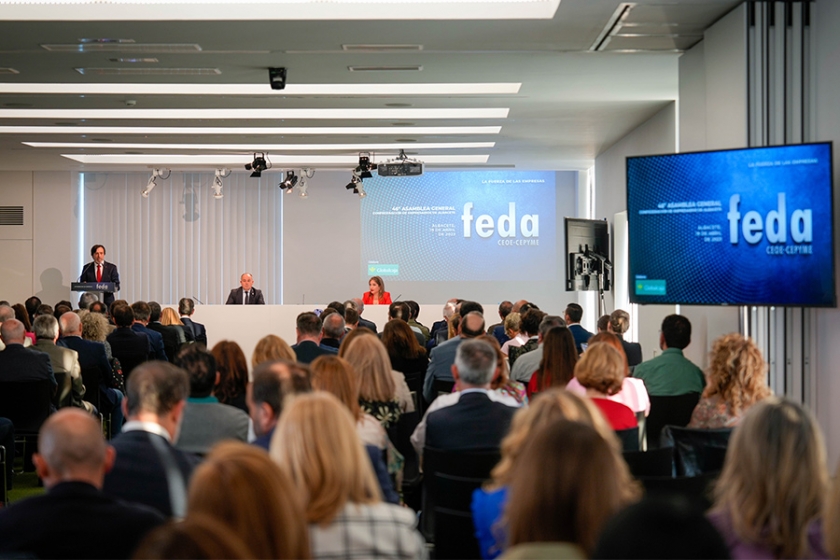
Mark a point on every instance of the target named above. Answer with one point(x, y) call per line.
point(97, 287)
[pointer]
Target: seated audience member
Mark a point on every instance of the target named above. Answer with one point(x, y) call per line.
point(43, 309)
point(351, 318)
point(173, 337)
point(737, 380)
point(129, 347)
point(154, 403)
point(402, 311)
point(308, 332)
point(601, 372)
point(233, 374)
point(573, 315)
point(169, 318)
point(770, 495)
point(198, 538)
point(22, 364)
point(405, 354)
point(31, 306)
point(563, 514)
point(353, 335)
point(24, 317)
point(499, 330)
point(63, 361)
point(440, 329)
point(316, 444)
point(604, 323)
point(502, 382)
point(526, 364)
point(335, 375)
point(206, 421)
point(7, 440)
point(632, 393)
point(194, 332)
point(332, 331)
point(359, 305)
point(6, 313)
point(96, 328)
point(142, 313)
point(671, 373)
point(489, 502)
point(557, 366)
point(93, 356)
point(383, 392)
point(474, 417)
point(271, 348)
point(98, 307)
point(660, 527)
point(529, 324)
point(620, 324)
point(241, 487)
point(513, 333)
point(74, 519)
point(273, 383)
point(442, 356)
point(87, 298)
point(414, 308)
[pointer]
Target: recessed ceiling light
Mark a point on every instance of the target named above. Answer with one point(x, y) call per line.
point(268, 147)
point(17, 104)
point(134, 60)
point(101, 140)
point(143, 71)
point(256, 114)
point(381, 48)
point(344, 90)
point(234, 160)
point(168, 48)
point(61, 128)
point(407, 68)
point(399, 105)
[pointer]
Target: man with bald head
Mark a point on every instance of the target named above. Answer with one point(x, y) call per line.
point(443, 355)
point(18, 364)
point(74, 519)
point(6, 312)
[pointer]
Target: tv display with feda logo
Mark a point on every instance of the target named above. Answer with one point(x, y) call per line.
point(739, 227)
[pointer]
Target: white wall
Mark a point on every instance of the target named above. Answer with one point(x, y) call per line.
point(826, 20)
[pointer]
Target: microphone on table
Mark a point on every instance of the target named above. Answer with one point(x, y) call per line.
point(83, 270)
point(198, 300)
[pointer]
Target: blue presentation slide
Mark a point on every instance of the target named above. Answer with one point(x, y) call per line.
point(460, 226)
point(750, 227)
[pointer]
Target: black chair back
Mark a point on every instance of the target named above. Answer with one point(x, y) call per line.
point(696, 489)
point(442, 387)
point(91, 378)
point(450, 479)
point(629, 438)
point(27, 404)
point(668, 411)
point(696, 451)
point(64, 393)
point(414, 380)
point(656, 462)
point(400, 435)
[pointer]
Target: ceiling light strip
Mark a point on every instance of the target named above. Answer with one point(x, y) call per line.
point(233, 160)
point(243, 131)
point(254, 114)
point(263, 89)
point(264, 147)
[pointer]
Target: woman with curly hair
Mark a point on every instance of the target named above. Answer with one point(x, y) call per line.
point(736, 380)
point(233, 374)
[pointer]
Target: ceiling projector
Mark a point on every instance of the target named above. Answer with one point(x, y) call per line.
point(400, 167)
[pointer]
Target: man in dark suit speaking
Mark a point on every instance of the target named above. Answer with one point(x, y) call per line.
point(101, 271)
point(247, 294)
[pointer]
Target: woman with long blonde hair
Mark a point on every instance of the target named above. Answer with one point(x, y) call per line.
point(770, 494)
point(316, 444)
point(736, 380)
point(270, 348)
point(240, 486)
point(547, 407)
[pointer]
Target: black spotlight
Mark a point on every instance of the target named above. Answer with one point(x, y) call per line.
point(277, 78)
point(365, 166)
point(258, 165)
point(289, 182)
point(354, 184)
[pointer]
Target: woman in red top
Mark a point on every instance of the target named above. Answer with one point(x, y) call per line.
point(601, 371)
point(377, 293)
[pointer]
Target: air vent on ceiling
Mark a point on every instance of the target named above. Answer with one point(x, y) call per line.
point(125, 47)
point(148, 71)
point(382, 48)
point(385, 68)
point(11, 215)
point(8, 71)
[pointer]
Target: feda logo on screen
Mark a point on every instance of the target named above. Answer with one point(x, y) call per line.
point(775, 226)
point(511, 232)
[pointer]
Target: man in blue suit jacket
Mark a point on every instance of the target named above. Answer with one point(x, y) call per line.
point(108, 273)
point(238, 295)
point(142, 312)
point(574, 313)
point(443, 355)
point(195, 332)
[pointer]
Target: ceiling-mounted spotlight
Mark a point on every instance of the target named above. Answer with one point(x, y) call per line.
point(303, 185)
point(401, 166)
point(277, 78)
point(356, 186)
point(289, 182)
point(365, 166)
point(217, 183)
point(259, 164)
point(308, 172)
point(162, 173)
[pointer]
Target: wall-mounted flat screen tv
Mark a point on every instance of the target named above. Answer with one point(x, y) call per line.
point(750, 226)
